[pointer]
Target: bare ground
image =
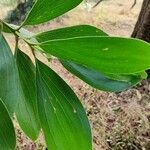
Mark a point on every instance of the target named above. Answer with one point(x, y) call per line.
point(120, 121)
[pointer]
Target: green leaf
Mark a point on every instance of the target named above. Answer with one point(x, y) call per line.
point(7, 132)
point(1, 26)
point(127, 77)
point(69, 32)
point(45, 10)
point(9, 28)
point(100, 80)
point(97, 79)
point(26, 112)
point(110, 55)
point(62, 116)
point(92, 77)
point(9, 89)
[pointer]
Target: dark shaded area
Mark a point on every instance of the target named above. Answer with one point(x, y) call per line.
point(142, 27)
point(17, 15)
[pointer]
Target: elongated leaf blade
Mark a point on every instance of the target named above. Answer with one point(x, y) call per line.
point(92, 77)
point(62, 116)
point(105, 54)
point(9, 89)
point(7, 132)
point(45, 10)
point(69, 32)
point(100, 80)
point(26, 111)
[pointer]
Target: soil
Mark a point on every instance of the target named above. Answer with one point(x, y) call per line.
point(119, 121)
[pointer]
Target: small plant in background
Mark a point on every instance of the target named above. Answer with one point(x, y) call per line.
point(39, 98)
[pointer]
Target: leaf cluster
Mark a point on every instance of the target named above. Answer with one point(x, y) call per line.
point(40, 98)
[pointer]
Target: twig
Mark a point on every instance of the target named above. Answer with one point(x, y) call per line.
point(16, 46)
point(135, 1)
point(97, 3)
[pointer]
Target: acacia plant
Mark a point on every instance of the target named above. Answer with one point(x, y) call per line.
point(39, 98)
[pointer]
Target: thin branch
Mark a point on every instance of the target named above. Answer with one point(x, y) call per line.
point(135, 1)
point(32, 50)
point(97, 3)
point(16, 46)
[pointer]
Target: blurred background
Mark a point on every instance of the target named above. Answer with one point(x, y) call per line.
point(120, 121)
